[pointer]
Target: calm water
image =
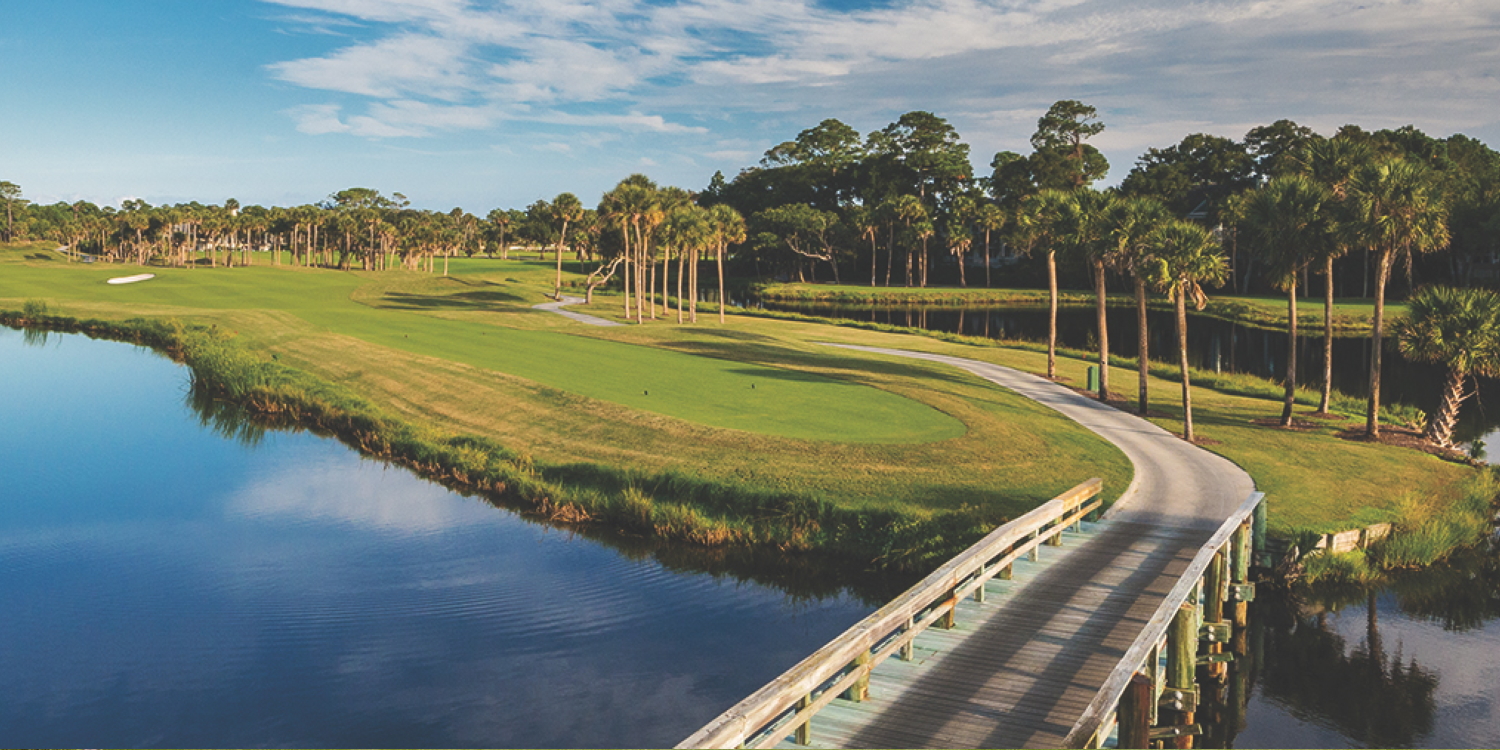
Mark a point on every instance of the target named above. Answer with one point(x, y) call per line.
point(173, 578)
point(1212, 345)
point(166, 584)
point(1412, 664)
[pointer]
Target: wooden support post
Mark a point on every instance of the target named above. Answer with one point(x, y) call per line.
point(1031, 553)
point(1004, 573)
point(803, 735)
point(979, 592)
point(910, 645)
point(1182, 659)
point(1055, 540)
point(1216, 589)
point(1134, 713)
point(1242, 550)
point(860, 690)
point(1258, 536)
point(950, 617)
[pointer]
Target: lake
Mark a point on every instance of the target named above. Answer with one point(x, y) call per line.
point(175, 576)
point(174, 580)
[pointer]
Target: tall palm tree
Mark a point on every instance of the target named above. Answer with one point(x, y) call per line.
point(1037, 224)
point(1396, 207)
point(1457, 328)
point(566, 209)
point(1129, 226)
point(1188, 257)
point(1085, 232)
point(728, 229)
point(990, 218)
point(1333, 162)
point(1285, 224)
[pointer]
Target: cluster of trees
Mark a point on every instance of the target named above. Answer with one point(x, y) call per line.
point(1265, 212)
point(1273, 210)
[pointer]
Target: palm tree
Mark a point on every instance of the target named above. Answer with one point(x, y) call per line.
point(1333, 162)
point(1396, 208)
point(1037, 224)
point(1085, 233)
point(566, 208)
point(1188, 256)
point(728, 229)
point(990, 218)
point(1129, 227)
point(1459, 328)
point(1284, 222)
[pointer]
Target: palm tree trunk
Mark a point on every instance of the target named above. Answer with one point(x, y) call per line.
point(1103, 331)
point(722, 302)
point(1051, 315)
point(681, 266)
point(1143, 343)
point(1182, 365)
point(1327, 398)
point(1291, 354)
point(1440, 424)
point(986, 259)
point(874, 256)
point(1382, 274)
point(693, 302)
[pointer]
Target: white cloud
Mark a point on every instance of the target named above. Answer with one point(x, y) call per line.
point(1157, 69)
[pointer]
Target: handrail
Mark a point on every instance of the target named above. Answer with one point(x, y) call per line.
point(848, 658)
point(1108, 697)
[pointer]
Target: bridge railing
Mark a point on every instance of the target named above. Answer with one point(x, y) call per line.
point(787, 704)
point(1163, 658)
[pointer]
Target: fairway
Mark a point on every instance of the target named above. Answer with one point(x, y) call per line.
point(705, 390)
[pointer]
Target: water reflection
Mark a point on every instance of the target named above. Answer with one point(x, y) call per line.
point(167, 587)
point(1413, 663)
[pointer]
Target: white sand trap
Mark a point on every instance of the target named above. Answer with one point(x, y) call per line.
point(131, 279)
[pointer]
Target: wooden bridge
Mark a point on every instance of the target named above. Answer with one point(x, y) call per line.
point(1052, 631)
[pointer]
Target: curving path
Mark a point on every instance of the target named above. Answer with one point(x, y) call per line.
point(1019, 673)
point(1175, 484)
point(557, 307)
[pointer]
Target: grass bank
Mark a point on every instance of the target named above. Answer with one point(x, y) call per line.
point(454, 375)
point(1351, 317)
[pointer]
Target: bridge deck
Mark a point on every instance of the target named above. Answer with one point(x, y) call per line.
point(1019, 670)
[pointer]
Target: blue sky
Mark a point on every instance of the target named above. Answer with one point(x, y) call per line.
point(481, 103)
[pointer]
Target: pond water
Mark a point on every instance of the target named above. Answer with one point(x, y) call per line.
point(174, 578)
point(1415, 663)
point(1213, 344)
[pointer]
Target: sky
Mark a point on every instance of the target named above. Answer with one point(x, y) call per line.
point(495, 103)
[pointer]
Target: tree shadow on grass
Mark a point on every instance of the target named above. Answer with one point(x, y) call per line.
point(477, 300)
point(847, 369)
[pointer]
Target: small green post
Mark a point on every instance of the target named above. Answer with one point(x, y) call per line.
point(1093, 378)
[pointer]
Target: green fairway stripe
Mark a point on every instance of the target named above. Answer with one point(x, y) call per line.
point(704, 390)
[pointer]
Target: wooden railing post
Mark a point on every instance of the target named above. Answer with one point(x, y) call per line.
point(1032, 553)
point(911, 643)
point(1242, 548)
point(1258, 536)
point(1216, 590)
point(1182, 659)
point(860, 690)
point(803, 735)
point(1134, 713)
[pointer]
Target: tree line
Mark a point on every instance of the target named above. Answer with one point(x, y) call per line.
point(1281, 208)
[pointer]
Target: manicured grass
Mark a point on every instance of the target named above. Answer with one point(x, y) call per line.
point(467, 355)
point(1351, 317)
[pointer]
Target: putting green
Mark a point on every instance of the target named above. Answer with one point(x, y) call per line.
point(704, 390)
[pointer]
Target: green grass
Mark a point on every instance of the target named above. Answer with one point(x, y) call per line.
point(901, 458)
point(1351, 317)
point(715, 392)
